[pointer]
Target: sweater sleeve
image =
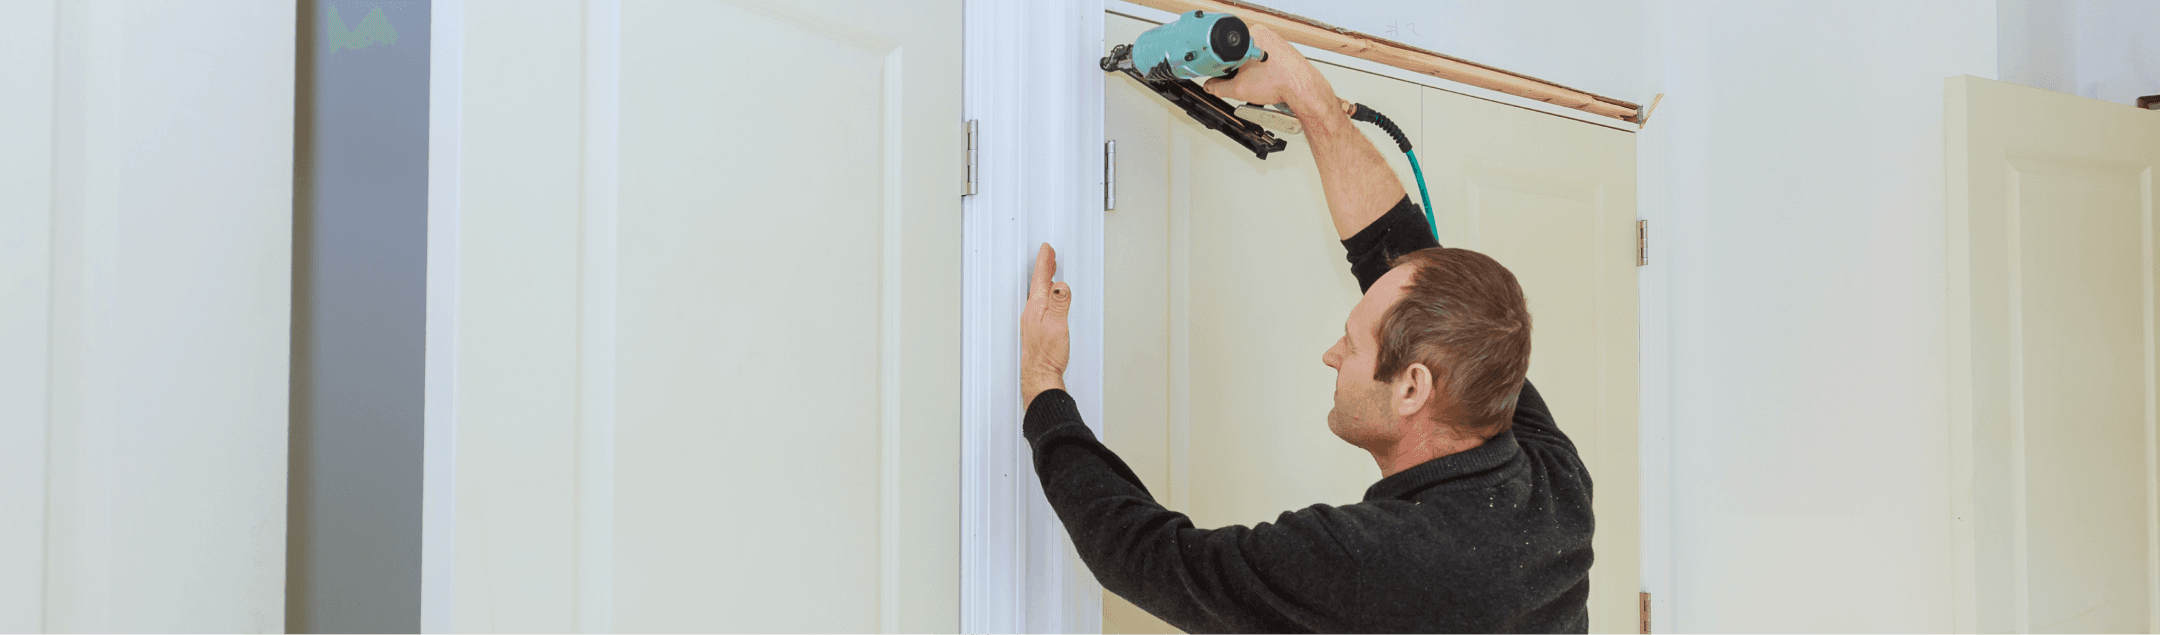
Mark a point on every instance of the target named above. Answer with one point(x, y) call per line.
point(1266, 578)
point(1399, 231)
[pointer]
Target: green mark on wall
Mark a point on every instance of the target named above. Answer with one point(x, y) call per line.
point(374, 29)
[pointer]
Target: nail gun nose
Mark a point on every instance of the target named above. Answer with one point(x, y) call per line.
point(1120, 58)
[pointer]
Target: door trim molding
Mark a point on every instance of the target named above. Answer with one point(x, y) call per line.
point(1040, 122)
point(600, 172)
point(1159, 16)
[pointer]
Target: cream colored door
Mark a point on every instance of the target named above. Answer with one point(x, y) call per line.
point(704, 288)
point(146, 243)
point(2052, 340)
point(1226, 281)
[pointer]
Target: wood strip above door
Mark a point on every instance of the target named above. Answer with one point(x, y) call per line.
point(1314, 33)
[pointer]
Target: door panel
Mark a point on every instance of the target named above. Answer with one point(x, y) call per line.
point(1226, 282)
point(722, 311)
point(146, 243)
point(751, 289)
point(2052, 340)
point(2078, 234)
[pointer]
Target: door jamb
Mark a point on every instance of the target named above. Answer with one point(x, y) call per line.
point(1032, 86)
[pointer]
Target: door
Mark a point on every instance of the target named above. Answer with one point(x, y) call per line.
point(694, 344)
point(2051, 330)
point(146, 171)
point(1226, 281)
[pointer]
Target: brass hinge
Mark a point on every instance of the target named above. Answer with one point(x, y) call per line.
point(1109, 175)
point(968, 131)
point(1646, 613)
point(1642, 242)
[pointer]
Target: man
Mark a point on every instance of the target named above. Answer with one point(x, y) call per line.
point(1481, 520)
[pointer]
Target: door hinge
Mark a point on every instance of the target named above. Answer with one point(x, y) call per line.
point(1646, 613)
point(1109, 175)
point(1642, 242)
point(968, 131)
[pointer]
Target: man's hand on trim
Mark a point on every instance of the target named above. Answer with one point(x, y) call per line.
point(1045, 342)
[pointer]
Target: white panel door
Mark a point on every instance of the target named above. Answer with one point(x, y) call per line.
point(704, 312)
point(1226, 281)
point(2052, 340)
point(145, 301)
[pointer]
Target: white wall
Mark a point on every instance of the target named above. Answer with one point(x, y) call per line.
point(2103, 49)
point(145, 253)
point(1799, 154)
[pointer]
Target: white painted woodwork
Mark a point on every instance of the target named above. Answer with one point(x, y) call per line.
point(1226, 282)
point(1034, 93)
point(145, 300)
point(2052, 373)
point(1158, 16)
point(697, 359)
point(27, 215)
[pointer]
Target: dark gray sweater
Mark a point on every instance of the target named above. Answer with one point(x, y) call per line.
point(1494, 539)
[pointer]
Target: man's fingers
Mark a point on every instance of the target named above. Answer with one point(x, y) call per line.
point(1220, 86)
point(1045, 267)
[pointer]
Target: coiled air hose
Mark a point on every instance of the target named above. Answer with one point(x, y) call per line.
point(1361, 112)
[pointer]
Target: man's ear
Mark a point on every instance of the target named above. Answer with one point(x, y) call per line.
point(1412, 390)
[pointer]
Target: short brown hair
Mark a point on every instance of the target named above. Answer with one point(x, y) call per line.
point(1463, 316)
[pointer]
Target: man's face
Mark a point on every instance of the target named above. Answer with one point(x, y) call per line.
point(1364, 413)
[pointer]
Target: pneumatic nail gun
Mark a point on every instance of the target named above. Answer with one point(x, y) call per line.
point(1199, 45)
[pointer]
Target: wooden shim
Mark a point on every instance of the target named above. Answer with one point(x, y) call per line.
point(1316, 34)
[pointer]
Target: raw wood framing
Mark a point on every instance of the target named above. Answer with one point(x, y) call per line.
point(1320, 35)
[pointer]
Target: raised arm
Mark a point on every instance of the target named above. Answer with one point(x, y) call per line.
point(1359, 184)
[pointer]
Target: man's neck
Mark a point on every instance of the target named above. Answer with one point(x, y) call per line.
point(1417, 448)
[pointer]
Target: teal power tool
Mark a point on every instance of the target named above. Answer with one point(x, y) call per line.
point(1197, 45)
point(1200, 45)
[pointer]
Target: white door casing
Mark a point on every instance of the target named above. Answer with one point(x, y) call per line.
point(693, 332)
point(145, 301)
point(2055, 499)
point(1034, 92)
point(1226, 283)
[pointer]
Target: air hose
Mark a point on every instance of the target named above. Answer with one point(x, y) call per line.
point(1361, 112)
